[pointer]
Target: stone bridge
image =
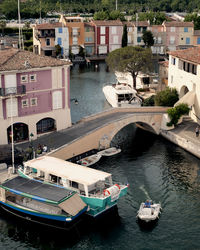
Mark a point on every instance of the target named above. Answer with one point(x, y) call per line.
point(97, 131)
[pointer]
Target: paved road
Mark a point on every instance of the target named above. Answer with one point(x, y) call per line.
point(60, 138)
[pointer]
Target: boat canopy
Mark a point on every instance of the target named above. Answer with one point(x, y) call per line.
point(68, 170)
point(37, 190)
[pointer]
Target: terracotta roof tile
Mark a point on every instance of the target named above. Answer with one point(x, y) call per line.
point(108, 22)
point(45, 26)
point(14, 59)
point(179, 24)
point(191, 54)
point(141, 23)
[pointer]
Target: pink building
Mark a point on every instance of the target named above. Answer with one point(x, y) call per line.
point(34, 95)
point(108, 36)
point(179, 35)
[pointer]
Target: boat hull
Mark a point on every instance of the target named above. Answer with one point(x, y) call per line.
point(48, 220)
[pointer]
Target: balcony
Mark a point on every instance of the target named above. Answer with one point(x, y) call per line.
point(14, 91)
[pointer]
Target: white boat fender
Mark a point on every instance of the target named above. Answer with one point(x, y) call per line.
point(115, 189)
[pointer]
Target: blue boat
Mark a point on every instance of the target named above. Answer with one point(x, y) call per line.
point(94, 187)
point(41, 203)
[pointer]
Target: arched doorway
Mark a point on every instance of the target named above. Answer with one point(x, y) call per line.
point(46, 125)
point(183, 91)
point(20, 132)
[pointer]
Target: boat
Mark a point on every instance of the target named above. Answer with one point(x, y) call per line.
point(121, 95)
point(149, 212)
point(41, 203)
point(95, 187)
point(109, 151)
point(89, 160)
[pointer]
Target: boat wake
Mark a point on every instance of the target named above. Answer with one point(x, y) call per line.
point(146, 193)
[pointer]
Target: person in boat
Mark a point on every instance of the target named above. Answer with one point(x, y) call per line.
point(147, 203)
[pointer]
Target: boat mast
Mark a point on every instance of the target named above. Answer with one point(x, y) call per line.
point(21, 43)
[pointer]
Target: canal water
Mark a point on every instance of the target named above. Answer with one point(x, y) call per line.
point(153, 167)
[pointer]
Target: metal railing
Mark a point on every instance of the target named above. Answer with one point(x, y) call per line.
point(19, 90)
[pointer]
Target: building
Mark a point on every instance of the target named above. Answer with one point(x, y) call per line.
point(34, 95)
point(140, 27)
point(44, 39)
point(130, 32)
point(108, 36)
point(163, 75)
point(76, 31)
point(62, 39)
point(184, 75)
point(179, 35)
point(196, 38)
point(159, 39)
point(89, 39)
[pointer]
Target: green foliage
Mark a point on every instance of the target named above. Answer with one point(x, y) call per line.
point(124, 36)
point(176, 112)
point(105, 15)
point(155, 18)
point(150, 101)
point(195, 18)
point(166, 98)
point(81, 52)
point(2, 26)
point(148, 38)
point(28, 43)
point(130, 59)
point(58, 50)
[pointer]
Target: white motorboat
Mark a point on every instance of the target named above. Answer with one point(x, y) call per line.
point(121, 95)
point(109, 151)
point(149, 213)
point(89, 160)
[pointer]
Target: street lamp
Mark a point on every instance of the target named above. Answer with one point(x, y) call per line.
point(31, 143)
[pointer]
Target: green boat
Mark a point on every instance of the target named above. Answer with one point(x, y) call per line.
point(95, 187)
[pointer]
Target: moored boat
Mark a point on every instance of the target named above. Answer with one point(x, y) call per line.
point(89, 160)
point(109, 151)
point(149, 212)
point(41, 203)
point(95, 187)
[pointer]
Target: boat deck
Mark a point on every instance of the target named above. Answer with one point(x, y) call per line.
point(35, 188)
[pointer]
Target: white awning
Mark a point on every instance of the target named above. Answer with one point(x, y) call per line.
point(188, 98)
point(68, 170)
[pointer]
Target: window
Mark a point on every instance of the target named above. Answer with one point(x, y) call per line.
point(103, 40)
point(32, 78)
point(47, 41)
point(57, 99)
point(185, 29)
point(171, 79)
point(24, 78)
point(103, 30)
point(59, 30)
point(139, 39)
point(172, 29)
point(115, 39)
point(159, 39)
point(75, 40)
point(87, 29)
point(33, 101)
point(86, 39)
point(187, 40)
point(194, 69)
point(114, 30)
point(173, 61)
point(59, 40)
point(144, 28)
point(172, 39)
point(139, 29)
point(198, 40)
point(90, 39)
point(25, 103)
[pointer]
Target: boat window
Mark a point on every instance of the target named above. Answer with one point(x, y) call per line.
point(146, 80)
point(73, 184)
point(120, 98)
point(27, 170)
point(41, 174)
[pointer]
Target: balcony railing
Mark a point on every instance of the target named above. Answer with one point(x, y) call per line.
point(20, 90)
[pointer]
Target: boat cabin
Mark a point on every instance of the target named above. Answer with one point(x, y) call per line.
point(84, 180)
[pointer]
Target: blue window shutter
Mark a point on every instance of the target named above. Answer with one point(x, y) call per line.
point(185, 29)
point(59, 40)
point(187, 40)
point(198, 40)
point(59, 30)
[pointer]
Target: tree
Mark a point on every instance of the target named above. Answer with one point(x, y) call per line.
point(124, 36)
point(148, 38)
point(2, 26)
point(167, 97)
point(176, 112)
point(130, 59)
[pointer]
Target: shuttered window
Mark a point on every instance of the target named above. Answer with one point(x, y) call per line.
point(12, 110)
point(57, 99)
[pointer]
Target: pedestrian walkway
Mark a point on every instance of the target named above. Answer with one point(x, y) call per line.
point(184, 136)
